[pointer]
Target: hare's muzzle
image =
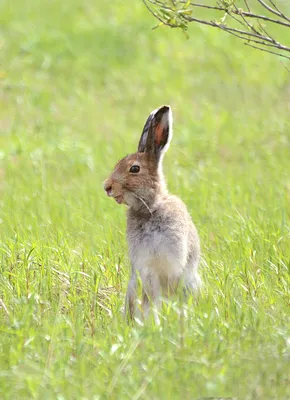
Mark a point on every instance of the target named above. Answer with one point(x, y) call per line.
point(108, 188)
point(113, 191)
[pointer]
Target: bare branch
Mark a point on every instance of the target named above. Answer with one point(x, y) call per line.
point(180, 13)
point(247, 14)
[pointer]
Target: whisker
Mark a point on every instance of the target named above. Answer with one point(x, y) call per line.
point(144, 202)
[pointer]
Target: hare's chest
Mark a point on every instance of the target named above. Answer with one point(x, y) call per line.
point(148, 238)
point(152, 249)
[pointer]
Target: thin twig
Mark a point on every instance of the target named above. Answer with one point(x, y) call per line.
point(237, 20)
point(269, 8)
point(252, 28)
point(279, 11)
point(268, 51)
point(247, 5)
point(253, 40)
point(264, 30)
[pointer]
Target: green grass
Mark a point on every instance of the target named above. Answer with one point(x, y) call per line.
point(77, 80)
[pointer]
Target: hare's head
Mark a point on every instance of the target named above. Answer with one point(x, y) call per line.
point(137, 179)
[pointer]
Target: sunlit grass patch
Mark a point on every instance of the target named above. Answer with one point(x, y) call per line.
point(76, 83)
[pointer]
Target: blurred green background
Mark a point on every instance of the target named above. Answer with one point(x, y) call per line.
point(77, 81)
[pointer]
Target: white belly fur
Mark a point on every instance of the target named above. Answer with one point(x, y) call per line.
point(155, 255)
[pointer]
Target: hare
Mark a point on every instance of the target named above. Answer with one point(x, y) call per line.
point(163, 243)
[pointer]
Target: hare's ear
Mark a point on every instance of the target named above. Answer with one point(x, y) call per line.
point(157, 132)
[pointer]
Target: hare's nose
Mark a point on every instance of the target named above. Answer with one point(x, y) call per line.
point(108, 189)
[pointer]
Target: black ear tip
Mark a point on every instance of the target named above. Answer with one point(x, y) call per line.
point(164, 109)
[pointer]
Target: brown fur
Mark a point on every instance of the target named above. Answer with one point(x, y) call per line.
point(163, 242)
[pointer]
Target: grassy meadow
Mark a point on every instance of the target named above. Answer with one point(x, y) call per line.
point(77, 81)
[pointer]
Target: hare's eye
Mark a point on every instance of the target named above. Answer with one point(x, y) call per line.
point(135, 169)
